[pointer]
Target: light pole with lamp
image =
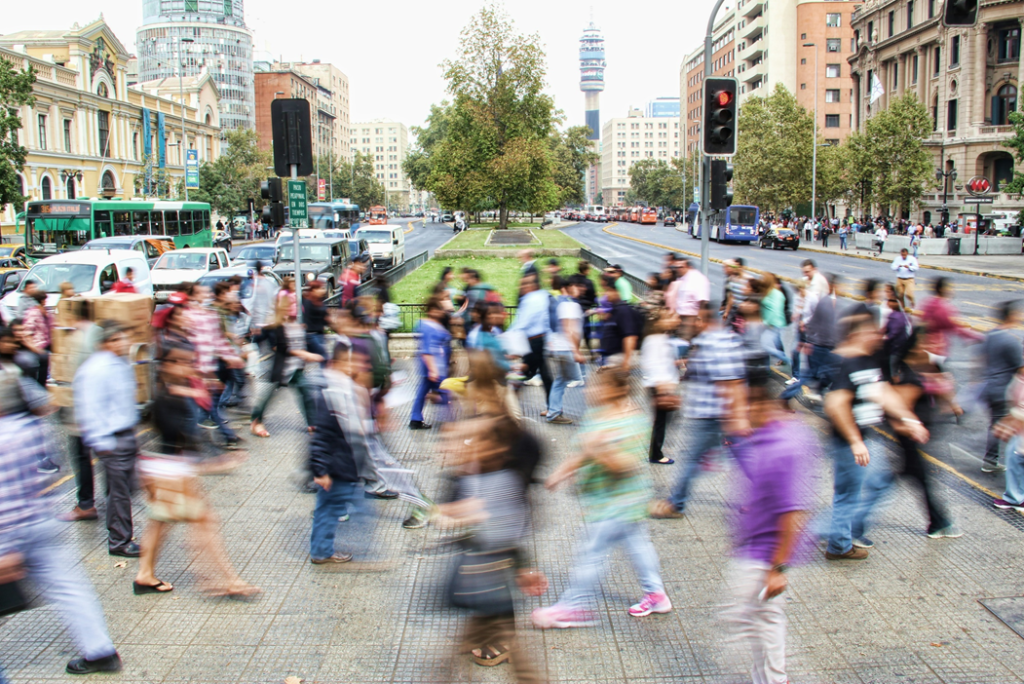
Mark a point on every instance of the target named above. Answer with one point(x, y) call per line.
point(181, 94)
point(943, 176)
point(814, 148)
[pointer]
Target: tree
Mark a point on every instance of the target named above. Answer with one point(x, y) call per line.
point(418, 164)
point(657, 183)
point(1016, 143)
point(688, 170)
point(228, 183)
point(495, 150)
point(572, 155)
point(773, 151)
point(15, 91)
point(362, 184)
point(898, 164)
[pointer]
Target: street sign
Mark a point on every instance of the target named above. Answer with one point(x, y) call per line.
point(297, 203)
point(321, 189)
point(191, 168)
point(984, 208)
point(977, 200)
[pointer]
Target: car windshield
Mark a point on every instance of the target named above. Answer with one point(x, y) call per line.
point(189, 261)
point(6, 251)
point(50, 276)
point(260, 252)
point(306, 252)
point(376, 236)
point(245, 292)
point(124, 244)
point(786, 233)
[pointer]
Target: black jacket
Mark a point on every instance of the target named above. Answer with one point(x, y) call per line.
point(329, 451)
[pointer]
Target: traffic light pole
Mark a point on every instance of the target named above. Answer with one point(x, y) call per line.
point(705, 183)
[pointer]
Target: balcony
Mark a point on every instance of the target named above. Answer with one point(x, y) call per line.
point(754, 27)
point(753, 7)
point(751, 52)
point(754, 72)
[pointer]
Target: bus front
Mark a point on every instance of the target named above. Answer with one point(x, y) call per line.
point(742, 223)
point(56, 226)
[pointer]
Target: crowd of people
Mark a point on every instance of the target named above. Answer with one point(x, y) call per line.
point(716, 358)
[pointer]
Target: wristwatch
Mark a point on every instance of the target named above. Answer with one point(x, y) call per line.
point(781, 568)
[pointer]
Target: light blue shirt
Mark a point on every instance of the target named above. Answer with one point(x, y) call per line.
point(905, 268)
point(533, 318)
point(104, 390)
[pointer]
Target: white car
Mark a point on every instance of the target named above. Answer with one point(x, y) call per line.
point(91, 272)
point(304, 234)
point(185, 266)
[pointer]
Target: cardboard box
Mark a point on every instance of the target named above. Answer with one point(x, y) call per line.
point(62, 395)
point(125, 308)
point(69, 310)
point(142, 394)
point(60, 368)
point(62, 340)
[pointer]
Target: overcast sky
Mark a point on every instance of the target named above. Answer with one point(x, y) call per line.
point(391, 50)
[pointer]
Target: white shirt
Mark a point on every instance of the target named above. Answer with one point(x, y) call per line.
point(882, 233)
point(691, 289)
point(573, 312)
point(818, 284)
point(905, 268)
point(658, 361)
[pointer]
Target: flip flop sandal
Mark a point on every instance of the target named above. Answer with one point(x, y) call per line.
point(159, 588)
point(491, 655)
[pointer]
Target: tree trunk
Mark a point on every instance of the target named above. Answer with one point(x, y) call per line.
point(502, 216)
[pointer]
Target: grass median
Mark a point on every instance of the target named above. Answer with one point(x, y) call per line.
point(476, 238)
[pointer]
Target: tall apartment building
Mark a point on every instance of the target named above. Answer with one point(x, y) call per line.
point(386, 142)
point(826, 35)
point(290, 84)
point(333, 83)
point(212, 37)
point(766, 46)
point(625, 141)
point(969, 78)
point(691, 79)
point(90, 135)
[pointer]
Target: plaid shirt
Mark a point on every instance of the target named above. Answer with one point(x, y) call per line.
point(21, 485)
point(717, 356)
point(208, 339)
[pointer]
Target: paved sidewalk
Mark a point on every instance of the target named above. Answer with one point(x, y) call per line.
point(1009, 266)
point(908, 614)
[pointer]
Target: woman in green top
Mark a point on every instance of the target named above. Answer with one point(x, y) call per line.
point(615, 489)
point(773, 315)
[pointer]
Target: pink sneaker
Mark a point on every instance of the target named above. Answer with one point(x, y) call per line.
point(558, 617)
point(652, 603)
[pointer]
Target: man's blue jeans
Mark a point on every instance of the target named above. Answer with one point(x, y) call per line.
point(705, 435)
point(856, 489)
point(1014, 471)
point(819, 369)
point(603, 537)
point(426, 386)
point(566, 370)
point(217, 417)
point(344, 497)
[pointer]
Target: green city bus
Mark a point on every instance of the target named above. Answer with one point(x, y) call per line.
point(56, 226)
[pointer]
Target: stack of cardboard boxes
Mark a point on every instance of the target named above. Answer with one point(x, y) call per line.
point(133, 311)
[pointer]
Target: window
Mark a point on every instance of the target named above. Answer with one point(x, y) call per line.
point(803, 60)
point(834, 45)
point(227, 8)
point(938, 62)
point(831, 121)
point(892, 24)
point(47, 188)
point(191, 5)
point(832, 96)
point(834, 142)
point(910, 14)
point(67, 135)
point(831, 71)
point(913, 69)
point(1009, 45)
point(931, 8)
point(954, 51)
point(803, 86)
point(71, 188)
point(1004, 102)
point(854, 41)
point(871, 32)
point(104, 129)
point(951, 112)
point(42, 131)
point(833, 19)
point(895, 75)
point(803, 36)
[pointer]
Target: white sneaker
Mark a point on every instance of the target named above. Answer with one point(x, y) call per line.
point(535, 381)
point(576, 383)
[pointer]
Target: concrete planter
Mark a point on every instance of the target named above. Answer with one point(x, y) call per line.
point(507, 252)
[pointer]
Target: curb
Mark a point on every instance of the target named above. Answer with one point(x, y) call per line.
point(948, 269)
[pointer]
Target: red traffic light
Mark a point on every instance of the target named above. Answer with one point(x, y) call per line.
point(723, 98)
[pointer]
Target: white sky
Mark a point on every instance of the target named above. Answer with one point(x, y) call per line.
point(391, 50)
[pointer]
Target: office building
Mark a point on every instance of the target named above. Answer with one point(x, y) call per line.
point(662, 106)
point(691, 79)
point(386, 142)
point(625, 141)
point(333, 84)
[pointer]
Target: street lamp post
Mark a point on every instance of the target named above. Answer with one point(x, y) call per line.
point(181, 94)
point(814, 146)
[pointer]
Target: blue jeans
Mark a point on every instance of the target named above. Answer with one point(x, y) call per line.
point(819, 369)
point(217, 417)
point(842, 242)
point(344, 497)
point(566, 370)
point(603, 537)
point(706, 434)
point(426, 386)
point(771, 342)
point(234, 382)
point(54, 569)
point(1014, 471)
point(315, 345)
point(855, 491)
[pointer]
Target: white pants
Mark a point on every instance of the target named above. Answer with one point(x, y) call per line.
point(759, 626)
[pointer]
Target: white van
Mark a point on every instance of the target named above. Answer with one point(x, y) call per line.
point(90, 271)
point(386, 243)
point(304, 234)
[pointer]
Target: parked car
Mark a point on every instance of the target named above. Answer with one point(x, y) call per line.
point(319, 259)
point(338, 234)
point(304, 234)
point(670, 221)
point(250, 255)
point(91, 272)
point(222, 239)
point(247, 290)
point(447, 217)
point(185, 266)
point(780, 238)
point(150, 245)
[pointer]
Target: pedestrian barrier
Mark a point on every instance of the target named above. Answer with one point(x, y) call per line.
point(392, 276)
point(640, 287)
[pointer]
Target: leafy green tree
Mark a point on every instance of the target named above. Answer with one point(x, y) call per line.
point(495, 151)
point(234, 178)
point(1016, 143)
point(15, 91)
point(418, 164)
point(657, 183)
point(899, 164)
point(572, 155)
point(687, 169)
point(363, 186)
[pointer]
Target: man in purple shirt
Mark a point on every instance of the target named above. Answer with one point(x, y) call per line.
point(775, 462)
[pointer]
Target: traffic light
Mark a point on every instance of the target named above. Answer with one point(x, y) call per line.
point(960, 13)
point(721, 176)
point(273, 211)
point(720, 117)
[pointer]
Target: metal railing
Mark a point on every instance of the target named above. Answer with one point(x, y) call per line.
point(392, 276)
point(640, 287)
point(410, 314)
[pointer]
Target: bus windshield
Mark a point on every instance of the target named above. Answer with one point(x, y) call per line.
point(742, 216)
point(306, 252)
point(50, 276)
point(376, 236)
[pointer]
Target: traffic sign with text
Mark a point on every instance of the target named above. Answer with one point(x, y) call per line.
point(977, 200)
point(297, 212)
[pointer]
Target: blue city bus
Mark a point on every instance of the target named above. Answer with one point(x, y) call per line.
point(738, 223)
point(333, 215)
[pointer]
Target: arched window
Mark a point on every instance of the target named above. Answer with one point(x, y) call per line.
point(107, 184)
point(1004, 102)
point(102, 91)
point(47, 188)
point(71, 188)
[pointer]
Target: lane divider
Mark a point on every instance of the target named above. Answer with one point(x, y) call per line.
point(412, 227)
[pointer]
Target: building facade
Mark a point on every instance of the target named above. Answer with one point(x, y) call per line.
point(333, 85)
point(826, 41)
point(286, 83)
point(89, 134)
point(625, 141)
point(691, 80)
point(968, 77)
point(386, 142)
point(201, 36)
point(766, 46)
